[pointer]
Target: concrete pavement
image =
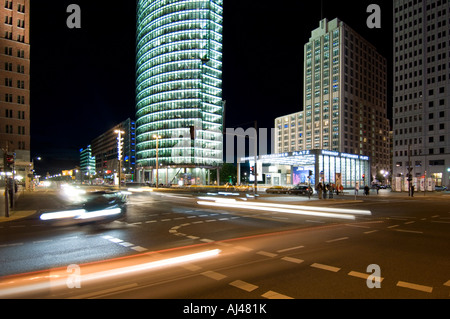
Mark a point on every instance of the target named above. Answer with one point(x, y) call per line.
point(28, 203)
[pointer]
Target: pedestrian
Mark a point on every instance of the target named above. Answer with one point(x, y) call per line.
point(366, 190)
point(356, 188)
point(325, 189)
point(331, 190)
point(412, 190)
point(319, 189)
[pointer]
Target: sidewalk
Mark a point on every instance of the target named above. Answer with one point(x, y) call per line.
point(28, 203)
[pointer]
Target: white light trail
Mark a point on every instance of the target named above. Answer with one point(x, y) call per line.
point(283, 208)
point(58, 279)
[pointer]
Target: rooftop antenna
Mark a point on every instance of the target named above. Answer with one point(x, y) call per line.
point(321, 10)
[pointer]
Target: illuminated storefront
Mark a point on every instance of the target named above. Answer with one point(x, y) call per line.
point(329, 167)
point(179, 106)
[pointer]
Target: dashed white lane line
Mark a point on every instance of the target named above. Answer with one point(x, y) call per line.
point(365, 276)
point(409, 231)
point(289, 249)
point(292, 260)
point(409, 285)
point(243, 248)
point(393, 226)
point(325, 267)
point(139, 248)
point(115, 240)
point(266, 253)
point(213, 275)
point(275, 295)
point(370, 232)
point(336, 239)
point(243, 285)
point(126, 244)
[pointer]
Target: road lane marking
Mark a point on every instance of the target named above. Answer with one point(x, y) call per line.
point(115, 240)
point(126, 244)
point(242, 248)
point(289, 249)
point(370, 231)
point(409, 285)
point(364, 276)
point(206, 240)
point(393, 226)
point(360, 226)
point(266, 253)
point(293, 260)
point(213, 275)
point(411, 222)
point(139, 248)
point(337, 239)
point(275, 295)
point(191, 267)
point(325, 267)
point(42, 241)
point(447, 283)
point(409, 231)
point(243, 285)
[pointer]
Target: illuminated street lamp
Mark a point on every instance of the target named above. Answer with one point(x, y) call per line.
point(157, 166)
point(119, 150)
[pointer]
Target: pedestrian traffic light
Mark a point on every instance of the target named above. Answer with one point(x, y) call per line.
point(364, 177)
point(252, 170)
point(9, 161)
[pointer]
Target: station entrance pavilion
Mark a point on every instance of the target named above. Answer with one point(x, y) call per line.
point(310, 166)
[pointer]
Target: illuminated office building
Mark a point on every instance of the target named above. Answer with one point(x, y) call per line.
point(345, 98)
point(179, 106)
point(421, 94)
point(15, 85)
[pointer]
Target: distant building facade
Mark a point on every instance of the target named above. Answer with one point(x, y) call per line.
point(87, 163)
point(421, 99)
point(15, 83)
point(105, 151)
point(345, 98)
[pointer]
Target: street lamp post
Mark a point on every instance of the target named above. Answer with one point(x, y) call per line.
point(157, 165)
point(119, 151)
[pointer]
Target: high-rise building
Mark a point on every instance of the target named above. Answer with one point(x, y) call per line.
point(87, 163)
point(344, 98)
point(421, 109)
point(15, 83)
point(105, 150)
point(179, 106)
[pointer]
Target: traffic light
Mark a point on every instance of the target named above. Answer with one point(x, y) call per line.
point(252, 170)
point(9, 161)
point(364, 177)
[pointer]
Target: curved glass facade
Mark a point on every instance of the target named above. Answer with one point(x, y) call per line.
point(179, 83)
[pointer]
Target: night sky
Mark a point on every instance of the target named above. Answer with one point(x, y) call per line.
point(83, 80)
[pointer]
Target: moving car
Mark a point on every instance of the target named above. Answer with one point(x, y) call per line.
point(277, 190)
point(440, 188)
point(301, 190)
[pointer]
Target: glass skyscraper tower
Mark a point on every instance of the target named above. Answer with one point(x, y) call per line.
point(179, 106)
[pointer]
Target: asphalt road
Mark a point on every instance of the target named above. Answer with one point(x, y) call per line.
point(256, 253)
